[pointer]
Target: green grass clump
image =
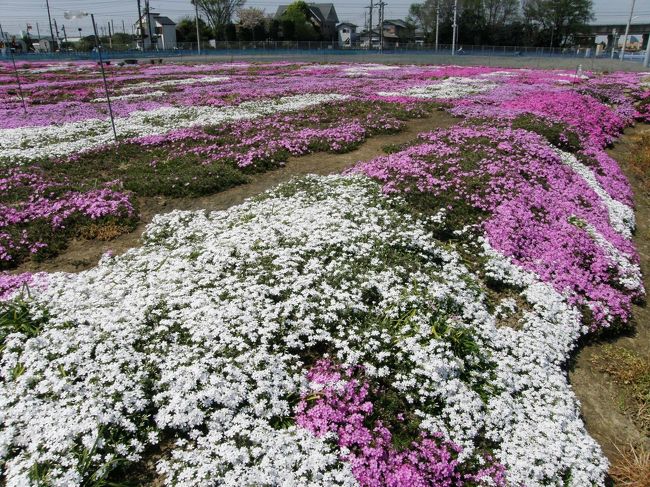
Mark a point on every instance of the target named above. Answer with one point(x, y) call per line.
point(557, 134)
point(17, 317)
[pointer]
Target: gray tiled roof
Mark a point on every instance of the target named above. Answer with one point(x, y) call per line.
point(164, 20)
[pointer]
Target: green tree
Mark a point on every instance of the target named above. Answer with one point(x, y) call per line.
point(87, 43)
point(303, 29)
point(229, 32)
point(479, 21)
point(122, 40)
point(219, 14)
point(554, 22)
point(423, 16)
point(498, 13)
point(274, 29)
point(252, 23)
point(186, 30)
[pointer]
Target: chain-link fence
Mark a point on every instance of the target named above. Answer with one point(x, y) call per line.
point(332, 51)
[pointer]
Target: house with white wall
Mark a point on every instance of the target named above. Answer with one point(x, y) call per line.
point(347, 34)
point(163, 32)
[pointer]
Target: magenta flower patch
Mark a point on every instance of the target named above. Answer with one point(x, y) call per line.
point(535, 209)
point(341, 404)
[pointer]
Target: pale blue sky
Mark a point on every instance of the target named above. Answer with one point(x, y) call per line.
point(14, 14)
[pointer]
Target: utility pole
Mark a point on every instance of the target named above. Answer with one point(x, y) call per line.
point(123, 27)
point(381, 25)
point(141, 26)
point(2, 33)
point(56, 29)
point(65, 36)
point(437, 22)
point(146, 3)
point(38, 32)
point(198, 34)
point(110, 36)
point(455, 29)
point(49, 18)
point(371, 8)
point(627, 31)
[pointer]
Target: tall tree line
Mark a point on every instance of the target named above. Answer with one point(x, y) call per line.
point(504, 22)
point(228, 20)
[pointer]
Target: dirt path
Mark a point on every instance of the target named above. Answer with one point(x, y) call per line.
point(83, 254)
point(599, 396)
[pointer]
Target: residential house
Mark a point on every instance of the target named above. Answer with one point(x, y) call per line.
point(322, 16)
point(163, 32)
point(370, 39)
point(397, 32)
point(347, 34)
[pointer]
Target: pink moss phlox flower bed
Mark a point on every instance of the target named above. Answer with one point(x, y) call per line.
point(10, 284)
point(251, 142)
point(30, 198)
point(405, 324)
point(532, 206)
point(596, 123)
point(341, 404)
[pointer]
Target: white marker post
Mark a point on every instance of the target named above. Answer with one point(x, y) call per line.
point(198, 34)
point(454, 29)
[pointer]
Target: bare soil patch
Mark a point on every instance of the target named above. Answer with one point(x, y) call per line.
point(83, 253)
point(603, 398)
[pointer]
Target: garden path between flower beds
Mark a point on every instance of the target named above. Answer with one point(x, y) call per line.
point(82, 254)
point(599, 395)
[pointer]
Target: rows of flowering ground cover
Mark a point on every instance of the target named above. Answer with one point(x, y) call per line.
point(172, 150)
point(407, 323)
point(188, 130)
point(186, 162)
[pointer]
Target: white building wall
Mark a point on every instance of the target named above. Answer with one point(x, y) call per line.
point(168, 38)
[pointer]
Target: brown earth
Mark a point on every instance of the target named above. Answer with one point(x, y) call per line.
point(600, 397)
point(83, 254)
